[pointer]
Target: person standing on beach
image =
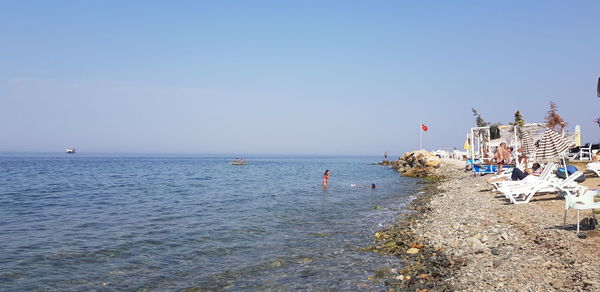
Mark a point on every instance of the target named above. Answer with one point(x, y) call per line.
point(385, 155)
point(325, 178)
point(502, 156)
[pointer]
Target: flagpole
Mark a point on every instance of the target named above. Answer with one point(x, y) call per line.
point(421, 136)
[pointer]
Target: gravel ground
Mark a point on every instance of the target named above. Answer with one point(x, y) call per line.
point(507, 247)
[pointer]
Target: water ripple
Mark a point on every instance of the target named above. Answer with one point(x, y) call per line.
point(166, 223)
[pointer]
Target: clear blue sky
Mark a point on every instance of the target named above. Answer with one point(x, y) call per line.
point(288, 77)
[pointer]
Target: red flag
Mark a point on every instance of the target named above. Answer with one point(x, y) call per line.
point(424, 127)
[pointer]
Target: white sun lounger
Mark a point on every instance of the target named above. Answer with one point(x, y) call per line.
point(522, 195)
point(545, 175)
point(595, 167)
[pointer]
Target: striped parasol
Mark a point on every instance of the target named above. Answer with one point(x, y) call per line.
point(527, 142)
point(551, 145)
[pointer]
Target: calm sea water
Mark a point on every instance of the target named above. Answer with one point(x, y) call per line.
point(78, 223)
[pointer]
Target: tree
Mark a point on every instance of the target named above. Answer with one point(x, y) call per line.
point(478, 119)
point(553, 119)
point(519, 121)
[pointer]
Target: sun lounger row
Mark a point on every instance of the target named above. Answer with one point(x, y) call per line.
point(576, 196)
point(520, 192)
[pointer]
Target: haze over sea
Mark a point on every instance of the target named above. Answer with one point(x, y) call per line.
point(124, 222)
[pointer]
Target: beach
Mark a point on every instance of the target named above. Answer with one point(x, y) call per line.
point(464, 236)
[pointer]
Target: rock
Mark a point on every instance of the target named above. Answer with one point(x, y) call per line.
point(417, 164)
point(556, 283)
point(476, 244)
point(417, 172)
point(484, 238)
point(382, 273)
point(412, 250)
point(454, 243)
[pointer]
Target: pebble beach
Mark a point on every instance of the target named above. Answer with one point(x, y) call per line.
point(463, 236)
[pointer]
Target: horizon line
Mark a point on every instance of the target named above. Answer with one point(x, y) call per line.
point(190, 153)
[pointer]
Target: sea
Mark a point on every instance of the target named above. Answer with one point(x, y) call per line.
point(123, 222)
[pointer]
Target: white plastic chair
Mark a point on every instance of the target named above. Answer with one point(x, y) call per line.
point(585, 151)
point(585, 201)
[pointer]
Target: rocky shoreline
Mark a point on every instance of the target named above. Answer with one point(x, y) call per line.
point(461, 236)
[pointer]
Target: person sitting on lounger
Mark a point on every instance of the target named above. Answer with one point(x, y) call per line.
point(522, 156)
point(518, 174)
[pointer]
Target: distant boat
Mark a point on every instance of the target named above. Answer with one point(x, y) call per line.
point(238, 162)
point(70, 150)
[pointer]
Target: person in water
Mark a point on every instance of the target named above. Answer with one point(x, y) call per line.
point(325, 178)
point(357, 186)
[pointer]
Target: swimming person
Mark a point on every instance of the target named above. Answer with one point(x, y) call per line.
point(366, 187)
point(325, 178)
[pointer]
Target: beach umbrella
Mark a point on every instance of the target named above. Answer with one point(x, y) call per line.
point(467, 145)
point(527, 142)
point(577, 135)
point(551, 145)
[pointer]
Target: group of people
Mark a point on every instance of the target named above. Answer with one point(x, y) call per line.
point(327, 174)
point(503, 157)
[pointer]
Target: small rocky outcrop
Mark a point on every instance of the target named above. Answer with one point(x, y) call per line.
point(420, 163)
